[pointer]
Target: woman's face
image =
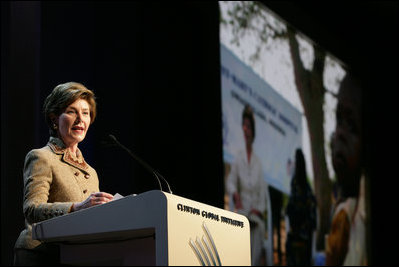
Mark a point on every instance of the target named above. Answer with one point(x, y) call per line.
point(74, 122)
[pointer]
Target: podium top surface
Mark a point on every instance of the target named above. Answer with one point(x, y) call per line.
point(177, 224)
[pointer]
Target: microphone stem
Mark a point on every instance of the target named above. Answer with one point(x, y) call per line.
point(144, 164)
point(170, 191)
point(159, 182)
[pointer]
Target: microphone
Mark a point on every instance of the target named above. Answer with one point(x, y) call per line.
point(143, 163)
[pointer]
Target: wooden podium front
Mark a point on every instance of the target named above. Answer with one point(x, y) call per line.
point(152, 228)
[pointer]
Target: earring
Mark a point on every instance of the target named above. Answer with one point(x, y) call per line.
point(55, 126)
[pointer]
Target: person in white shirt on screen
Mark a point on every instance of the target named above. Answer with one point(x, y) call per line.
point(247, 187)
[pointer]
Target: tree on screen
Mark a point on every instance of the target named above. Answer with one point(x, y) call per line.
point(245, 17)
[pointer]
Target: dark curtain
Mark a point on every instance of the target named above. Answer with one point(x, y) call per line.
point(154, 68)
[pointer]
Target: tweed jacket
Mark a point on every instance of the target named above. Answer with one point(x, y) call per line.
point(54, 179)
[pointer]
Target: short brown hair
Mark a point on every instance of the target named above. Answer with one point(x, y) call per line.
point(62, 96)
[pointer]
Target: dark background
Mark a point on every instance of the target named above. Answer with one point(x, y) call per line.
point(154, 68)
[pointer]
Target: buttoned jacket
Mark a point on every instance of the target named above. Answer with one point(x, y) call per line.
point(54, 179)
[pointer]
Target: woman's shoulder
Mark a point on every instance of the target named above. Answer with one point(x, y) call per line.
point(39, 153)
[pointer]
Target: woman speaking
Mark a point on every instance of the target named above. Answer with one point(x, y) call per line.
point(57, 179)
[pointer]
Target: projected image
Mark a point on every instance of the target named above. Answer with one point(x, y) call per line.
point(283, 99)
point(278, 128)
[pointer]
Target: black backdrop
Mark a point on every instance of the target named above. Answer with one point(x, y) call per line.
point(155, 70)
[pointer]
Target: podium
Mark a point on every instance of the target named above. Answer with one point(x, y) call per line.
point(152, 228)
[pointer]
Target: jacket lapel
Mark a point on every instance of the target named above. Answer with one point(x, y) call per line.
point(58, 147)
